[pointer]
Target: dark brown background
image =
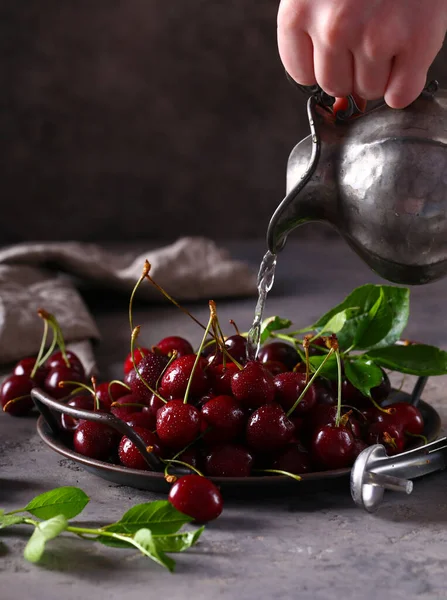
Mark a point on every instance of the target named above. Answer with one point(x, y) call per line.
point(143, 119)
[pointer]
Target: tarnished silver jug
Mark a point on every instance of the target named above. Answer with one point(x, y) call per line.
point(380, 178)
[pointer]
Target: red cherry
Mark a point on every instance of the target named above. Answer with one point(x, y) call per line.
point(288, 388)
point(68, 422)
point(56, 360)
point(225, 417)
point(168, 344)
point(138, 355)
point(94, 440)
point(389, 435)
point(59, 374)
point(14, 387)
point(175, 379)
point(26, 366)
point(293, 459)
point(150, 369)
point(117, 390)
point(140, 419)
point(275, 367)
point(196, 497)
point(151, 409)
point(236, 346)
point(220, 377)
point(333, 447)
point(279, 352)
point(178, 424)
point(404, 416)
point(126, 406)
point(129, 454)
point(228, 460)
point(253, 386)
point(268, 428)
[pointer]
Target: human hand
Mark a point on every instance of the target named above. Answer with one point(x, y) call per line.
point(374, 48)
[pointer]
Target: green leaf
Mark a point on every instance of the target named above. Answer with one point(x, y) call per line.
point(272, 324)
point(329, 369)
point(376, 317)
point(145, 542)
point(415, 359)
point(8, 520)
point(363, 374)
point(158, 516)
point(67, 501)
point(178, 542)
point(335, 323)
point(44, 531)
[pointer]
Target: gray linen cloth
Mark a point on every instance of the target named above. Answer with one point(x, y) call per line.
point(44, 275)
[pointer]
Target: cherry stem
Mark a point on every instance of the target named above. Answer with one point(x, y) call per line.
point(339, 384)
point(14, 400)
point(134, 336)
point(109, 387)
point(171, 360)
point(417, 435)
point(309, 383)
point(146, 270)
point(180, 462)
point(118, 403)
point(80, 386)
point(306, 354)
point(235, 326)
point(212, 306)
point(95, 395)
point(279, 472)
point(43, 314)
point(41, 349)
point(132, 296)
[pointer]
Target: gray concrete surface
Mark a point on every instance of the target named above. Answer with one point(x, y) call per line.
point(313, 545)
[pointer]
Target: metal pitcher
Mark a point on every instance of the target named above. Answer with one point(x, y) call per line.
point(379, 178)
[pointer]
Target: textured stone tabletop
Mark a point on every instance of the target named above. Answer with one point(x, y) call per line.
point(311, 545)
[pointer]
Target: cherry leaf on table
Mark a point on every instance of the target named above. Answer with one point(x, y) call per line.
point(144, 541)
point(414, 359)
point(272, 324)
point(44, 531)
point(363, 374)
point(178, 542)
point(67, 501)
point(159, 516)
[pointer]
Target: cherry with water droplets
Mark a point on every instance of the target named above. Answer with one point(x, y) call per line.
point(220, 377)
point(225, 418)
point(138, 355)
point(168, 345)
point(16, 386)
point(228, 460)
point(150, 369)
point(196, 497)
point(125, 406)
point(178, 424)
point(288, 388)
point(130, 456)
point(275, 367)
point(95, 440)
point(175, 379)
point(269, 428)
point(253, 386)
point(333, 447)
point(236, 346)
point(279, 352)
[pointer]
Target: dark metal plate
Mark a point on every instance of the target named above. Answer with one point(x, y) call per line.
point(154, 481)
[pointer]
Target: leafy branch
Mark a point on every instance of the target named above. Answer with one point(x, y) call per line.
point(152, 528)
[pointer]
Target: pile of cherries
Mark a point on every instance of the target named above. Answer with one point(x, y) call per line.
point(218, 413)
